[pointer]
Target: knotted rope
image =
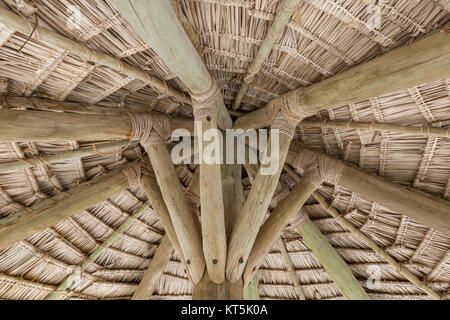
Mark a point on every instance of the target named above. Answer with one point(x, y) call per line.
point(287, 112)
point(150, 129)
point(207, 104)
point(330, 169)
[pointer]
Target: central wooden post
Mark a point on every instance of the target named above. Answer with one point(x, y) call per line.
point(208, 290)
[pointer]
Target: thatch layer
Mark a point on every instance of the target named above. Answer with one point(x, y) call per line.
point(323, 38)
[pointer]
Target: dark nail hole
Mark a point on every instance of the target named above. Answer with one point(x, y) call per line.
point(241, 260)
point(188, 261)
point(208, 118)
point(185, 271)
point(215, 261)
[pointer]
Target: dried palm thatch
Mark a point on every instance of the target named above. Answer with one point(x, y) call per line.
point(322, 39)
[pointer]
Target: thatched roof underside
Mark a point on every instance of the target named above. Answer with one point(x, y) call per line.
point(324, 38)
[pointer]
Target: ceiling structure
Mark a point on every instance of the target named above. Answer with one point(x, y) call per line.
point(111, 244)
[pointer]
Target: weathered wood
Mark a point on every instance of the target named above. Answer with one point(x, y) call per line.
point(212, 207)
point(153, 192)
point(180, 210)
point(208, 290)
point(54, 39)
point(426, 131)
point(26, 126)
point(290, 267)
point(333, 263)
point(271, 230)
point(425, 208)
point(68, 281)
point(424, 61)
point(58, 106)
point(251, 292)
point(158, 25)
point(49, 212)
point(232, 195)
point(104, 148)
point(159, 262)
point(252, 215)
point(287, 9)
point(375, 247)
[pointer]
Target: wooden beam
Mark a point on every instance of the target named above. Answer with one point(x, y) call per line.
point(208, 290)
point(251, 291)
point(56, 40)
point(333, 263)
point(290, 267)
point(158, 25)
point(252, 215)
point(150, 282)
point(68, 281)
point(425, 208)
point(49, 212)
point(180, 210)
point(212, 207)
point(375, 247)
point(271, 230)
point(425, 130)
point(287, 9)
point(153, 192)
point(26, 126)
point(57, 106)
point(426, 60)
point(104, 148)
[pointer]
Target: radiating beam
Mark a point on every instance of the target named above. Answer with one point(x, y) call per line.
point(159, 26)
point(56, 40)
point(287, 9)
point(150, 282)
point(425, 208)
point(27, 126)
point(49, 212)
point(424, 61)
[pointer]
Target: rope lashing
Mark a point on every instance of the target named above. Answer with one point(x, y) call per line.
point(330, 169)
point(287, 112)
point(151, 129)
point(133, 172)
point(207, 104)
point(300, 219)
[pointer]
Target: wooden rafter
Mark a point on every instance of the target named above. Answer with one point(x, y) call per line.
point(424, 61)
point(49, 212)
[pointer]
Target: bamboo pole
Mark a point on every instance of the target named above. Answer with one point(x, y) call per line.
point(252, 215)
point(383, 127)
point(68, 281)
point(426, 60)
point(276, 29)
point(425, 208)
point(290, 267)
point(49, 212)
point(19, 165)
point(159, 262)
point(271, 230)
point(19, 125)
point(333, 263)
point(375, 247)
point(159, 26)
point(180, 210)
point(54, 39)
